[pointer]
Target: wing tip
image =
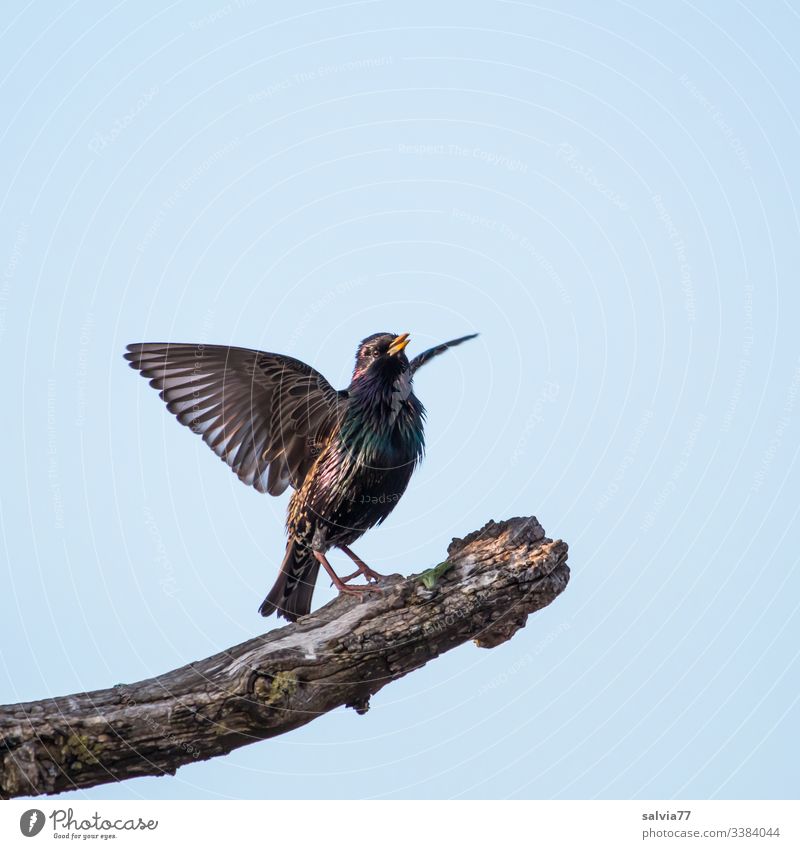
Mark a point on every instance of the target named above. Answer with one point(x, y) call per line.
point(133, 352)
point(427, 356)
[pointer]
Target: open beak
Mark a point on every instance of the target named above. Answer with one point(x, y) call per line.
point(399, 343)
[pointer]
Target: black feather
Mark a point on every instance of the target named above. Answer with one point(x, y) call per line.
point(427, 356)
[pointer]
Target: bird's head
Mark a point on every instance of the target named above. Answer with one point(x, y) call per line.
point(381, 358)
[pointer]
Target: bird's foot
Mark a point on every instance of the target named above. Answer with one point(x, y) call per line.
point(363, 569)
point(336, 581)
point(369, 574)
point(357, 589)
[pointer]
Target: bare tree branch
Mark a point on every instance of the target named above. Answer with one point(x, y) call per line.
point(340, 655)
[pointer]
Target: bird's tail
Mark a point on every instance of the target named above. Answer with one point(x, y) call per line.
point(291, 594)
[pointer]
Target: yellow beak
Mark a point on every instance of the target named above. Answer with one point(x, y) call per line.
point(399, 343)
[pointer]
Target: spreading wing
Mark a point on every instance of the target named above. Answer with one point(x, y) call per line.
point(266, 415)
point(427, 356)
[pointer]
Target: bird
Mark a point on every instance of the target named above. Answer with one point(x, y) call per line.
point(278, 423)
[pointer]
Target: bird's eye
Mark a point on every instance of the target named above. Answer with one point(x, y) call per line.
point(375, 352)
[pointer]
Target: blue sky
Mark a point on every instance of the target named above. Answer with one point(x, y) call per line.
point(605, 191)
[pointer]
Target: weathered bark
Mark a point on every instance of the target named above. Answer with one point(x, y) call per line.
point(340, 655)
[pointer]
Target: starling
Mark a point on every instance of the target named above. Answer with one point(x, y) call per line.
point(277, 422)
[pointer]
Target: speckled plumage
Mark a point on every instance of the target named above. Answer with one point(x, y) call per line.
point(277, 422)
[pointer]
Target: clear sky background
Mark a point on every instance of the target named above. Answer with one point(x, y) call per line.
point(604, 190)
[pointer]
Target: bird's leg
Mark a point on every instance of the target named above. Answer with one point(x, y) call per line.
point(337, 581)
point(363, 569)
